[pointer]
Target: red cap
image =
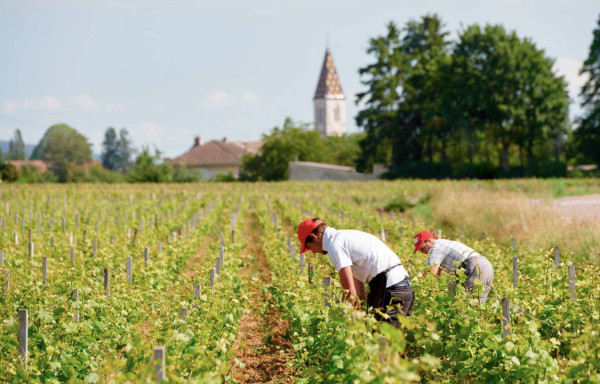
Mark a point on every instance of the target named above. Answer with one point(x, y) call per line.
point(304, 229)
point(420, 238)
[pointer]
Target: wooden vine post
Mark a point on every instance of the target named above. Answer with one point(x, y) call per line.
point(572, 282)
point(311, 271)
point(515, 271)
point(75, 297)
point(197, 288)
point(159, 358)
point(556, 257)
point(326, 284)
point(107, 282)
point(129, 271)
point(23, 336)
point(506, 317)
point(44, 269)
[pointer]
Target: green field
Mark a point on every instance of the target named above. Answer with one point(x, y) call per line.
point(262, 290)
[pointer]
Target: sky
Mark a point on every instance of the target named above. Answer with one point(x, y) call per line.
point(170, 70)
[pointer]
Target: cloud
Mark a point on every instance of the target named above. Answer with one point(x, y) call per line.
point(166, 138)
point(569, 68)
point(86, 103)
point(42, 104)
point(52, 104)
point(221, 100)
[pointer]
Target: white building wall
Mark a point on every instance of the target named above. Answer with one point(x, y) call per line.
point(327, 121)
point(208, 172)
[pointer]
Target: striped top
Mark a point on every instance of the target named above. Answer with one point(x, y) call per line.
point(449, 255)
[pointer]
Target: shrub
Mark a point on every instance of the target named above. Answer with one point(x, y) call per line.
point(30, 174)
point(9, 172)
point(224, 177)
point(183, 174)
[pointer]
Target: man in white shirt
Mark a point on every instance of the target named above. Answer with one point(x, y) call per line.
point(362, 258)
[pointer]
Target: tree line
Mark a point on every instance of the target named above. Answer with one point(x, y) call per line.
point(488, 99)
point(68, 155)
point(485, 105)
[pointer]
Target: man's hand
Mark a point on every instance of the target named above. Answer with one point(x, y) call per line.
point(347, 281)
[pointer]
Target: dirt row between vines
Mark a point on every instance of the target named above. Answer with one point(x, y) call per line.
point(261, 346)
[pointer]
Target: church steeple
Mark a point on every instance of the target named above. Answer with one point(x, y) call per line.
point(329, 101)
point(329, 86)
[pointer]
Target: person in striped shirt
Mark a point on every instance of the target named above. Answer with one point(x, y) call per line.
point(450, 255)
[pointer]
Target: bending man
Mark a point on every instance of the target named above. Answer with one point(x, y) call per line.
point(450, 255)
point(362, 258)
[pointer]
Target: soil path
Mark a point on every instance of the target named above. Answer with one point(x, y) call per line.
point(260, 346)
point(583, 207)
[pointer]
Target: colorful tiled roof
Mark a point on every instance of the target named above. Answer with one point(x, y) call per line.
point(329, 86)
point(216, 152)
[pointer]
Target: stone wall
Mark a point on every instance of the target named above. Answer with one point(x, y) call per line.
point(304, 170)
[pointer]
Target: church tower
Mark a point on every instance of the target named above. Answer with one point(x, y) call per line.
point(329, 101)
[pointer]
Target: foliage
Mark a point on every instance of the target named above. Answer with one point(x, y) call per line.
point(484, 170)
point(8, 172)
point(64, 148)
point(116, 151)
point(99, 174)
point(182, 174)
point(448, 339)
point(30, 174)
point(16, 147)
point(149, 169)
point(296, 140)
point(224, 177)
point(63, 144)
point(587, 135)
point(492, 97)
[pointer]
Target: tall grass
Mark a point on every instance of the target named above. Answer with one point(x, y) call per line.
point(502, 214)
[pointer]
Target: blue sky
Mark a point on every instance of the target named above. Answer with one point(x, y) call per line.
point(170, 70)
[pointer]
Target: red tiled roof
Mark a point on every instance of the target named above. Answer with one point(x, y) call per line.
point(216, 152)
point(37, 163)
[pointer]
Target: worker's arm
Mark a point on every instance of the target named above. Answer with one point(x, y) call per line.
point(347, 281)
point(360, 289)
point(434, 270)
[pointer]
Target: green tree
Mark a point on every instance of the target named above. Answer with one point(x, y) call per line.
point(504, 89)
point(62, 146)
point(116, 150)
point(16, 147)
point(8, 172)
point(281, 146)
point(110, 152)
point(124, 150)
point(587, 135)
point(148, 168)
point(403, 94)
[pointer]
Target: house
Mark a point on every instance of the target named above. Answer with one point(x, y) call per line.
point(216, 156)
point(42, 165)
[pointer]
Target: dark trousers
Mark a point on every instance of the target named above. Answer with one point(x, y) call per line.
point(392, 301)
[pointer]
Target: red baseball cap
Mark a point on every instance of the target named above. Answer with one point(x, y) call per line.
point(304, 229)
point(420, 238)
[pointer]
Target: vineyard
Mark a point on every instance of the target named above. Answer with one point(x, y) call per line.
point(203, 283)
